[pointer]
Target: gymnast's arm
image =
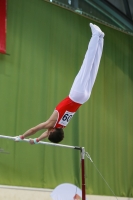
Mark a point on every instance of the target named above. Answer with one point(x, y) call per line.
point(41, 137)
point(45, 125)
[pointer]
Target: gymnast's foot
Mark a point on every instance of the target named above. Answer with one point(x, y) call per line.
point(96, 30)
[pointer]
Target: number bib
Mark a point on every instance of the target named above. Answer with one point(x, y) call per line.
point(66, 118)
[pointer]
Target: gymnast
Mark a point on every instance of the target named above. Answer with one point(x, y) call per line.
point(80, 92)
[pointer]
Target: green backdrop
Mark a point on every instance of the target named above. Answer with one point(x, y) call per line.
point(47, 45)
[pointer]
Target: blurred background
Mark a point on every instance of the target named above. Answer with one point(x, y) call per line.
point(46, 42)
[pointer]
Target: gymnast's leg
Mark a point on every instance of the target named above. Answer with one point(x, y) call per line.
point(84, 81)
point(95, 67)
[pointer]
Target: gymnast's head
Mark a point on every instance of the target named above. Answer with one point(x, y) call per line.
point(56, 135)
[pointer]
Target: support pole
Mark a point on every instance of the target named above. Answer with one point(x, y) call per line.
point(83, 171)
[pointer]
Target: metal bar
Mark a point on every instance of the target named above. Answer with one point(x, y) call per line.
point(83, 172)
point(41, 142)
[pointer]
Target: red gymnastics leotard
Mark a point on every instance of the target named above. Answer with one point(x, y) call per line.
point(66, 109)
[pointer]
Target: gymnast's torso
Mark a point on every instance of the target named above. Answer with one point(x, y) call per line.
point(66, 109)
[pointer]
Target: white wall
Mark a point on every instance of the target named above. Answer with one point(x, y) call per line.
point(23, 193)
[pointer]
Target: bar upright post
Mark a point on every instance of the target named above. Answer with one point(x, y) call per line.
point(83, 171)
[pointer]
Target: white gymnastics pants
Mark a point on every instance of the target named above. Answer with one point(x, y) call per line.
point(84, 81)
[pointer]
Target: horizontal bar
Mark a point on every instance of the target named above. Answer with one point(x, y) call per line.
point(41, 142)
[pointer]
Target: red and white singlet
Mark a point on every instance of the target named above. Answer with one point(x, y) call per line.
point(66, 109)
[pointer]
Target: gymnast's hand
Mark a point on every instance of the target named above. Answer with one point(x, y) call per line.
point(33, 141)
point(19, 138)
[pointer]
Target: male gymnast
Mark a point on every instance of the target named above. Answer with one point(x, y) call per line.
point(79, 93)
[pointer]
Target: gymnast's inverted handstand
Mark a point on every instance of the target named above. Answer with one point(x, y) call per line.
point(79, 93)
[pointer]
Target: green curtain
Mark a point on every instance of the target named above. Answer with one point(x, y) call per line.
point(47, 45)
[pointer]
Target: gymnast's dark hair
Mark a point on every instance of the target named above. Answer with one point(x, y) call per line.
point(57, 135)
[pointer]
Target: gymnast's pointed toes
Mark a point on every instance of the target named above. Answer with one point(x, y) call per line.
point(96, 30)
